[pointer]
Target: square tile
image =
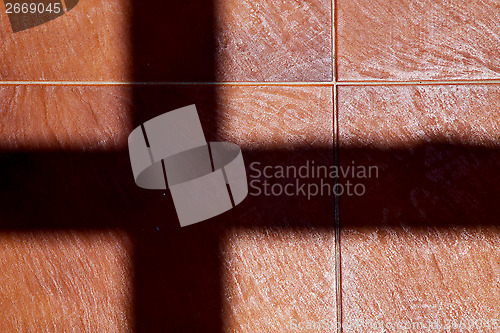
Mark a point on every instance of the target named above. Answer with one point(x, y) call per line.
point(424, 40)
point(408, 242)
point(184, 278)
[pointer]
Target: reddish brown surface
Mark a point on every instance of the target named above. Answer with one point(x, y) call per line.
point(70, 118)
point(92, 42)
point(272, 280)
point(426, 40)
point(66, 281)
point(273, 41)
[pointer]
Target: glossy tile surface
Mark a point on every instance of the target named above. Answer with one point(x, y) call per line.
point(418, 245)
point(422, 40)
point(64, 117)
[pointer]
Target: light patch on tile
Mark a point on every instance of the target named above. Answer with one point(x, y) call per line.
point(92, 42)
point(421, 276)
point(76, 118)
point(66, 281)
point(273, 279)
point(276, 117)
point(403, 116)
point(418, 40)
point(274, 40)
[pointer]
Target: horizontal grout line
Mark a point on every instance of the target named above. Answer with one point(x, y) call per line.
point(262, 83)
point(414, 83)
point(97, 83)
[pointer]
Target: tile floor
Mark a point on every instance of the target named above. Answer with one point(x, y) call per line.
point(411, 88)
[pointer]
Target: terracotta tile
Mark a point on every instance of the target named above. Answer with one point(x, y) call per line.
point(66, 281)
point(425, 40)
point(64, 117)
point(408, 242)
point(274, 41)
point(91, 42)
point(124, 40)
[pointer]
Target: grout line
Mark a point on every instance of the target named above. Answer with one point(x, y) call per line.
point(284, 84)
point(333, 41)
point(338, 259)
point(415, 83)
point(131, 83)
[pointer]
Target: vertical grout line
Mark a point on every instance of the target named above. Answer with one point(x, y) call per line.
point(334, 41)
point(338, 259)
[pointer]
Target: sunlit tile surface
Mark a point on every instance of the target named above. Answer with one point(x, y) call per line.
point(274, 41)
point(418, 40)
point(276, 280)
point(419, 247)
point(64, 117)
point(65, 281)
point(92, 42)
point(276, 117)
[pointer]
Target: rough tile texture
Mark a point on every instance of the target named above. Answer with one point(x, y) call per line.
point(418, 40)
point(65, 282)
point(64, 117)
point(274, 41)
point(91, 42)
point(273, 280)
point(276, 117)
point(413, 247)
point(421, 280)
point(405, 116)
